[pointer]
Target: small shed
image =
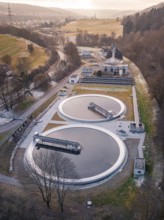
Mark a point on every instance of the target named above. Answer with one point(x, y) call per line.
point(73, 78)
point(86, 53)
point(139, 167)
point(134, 128)
point(115, 69)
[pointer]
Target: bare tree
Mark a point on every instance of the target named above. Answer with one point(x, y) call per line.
point(42, 172)
point(64, 170)
point(7, 59)
point(6, 93)
point(50, 173)
point(42, 81)
point(30, 48)
point(23, 67)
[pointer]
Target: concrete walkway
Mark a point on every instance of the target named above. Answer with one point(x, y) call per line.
point(135, 106)
point(9, 180)
point(41, 124)
point(137, 121)
point(28, 112)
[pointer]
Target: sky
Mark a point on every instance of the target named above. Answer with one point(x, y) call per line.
point(91, 4)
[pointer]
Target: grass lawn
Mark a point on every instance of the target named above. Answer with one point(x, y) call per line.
point(49, 126)
point(121, 92)
point(3, 136)
point(17, 47)
point(56, 117)
point(123, 196)
point(6, 150)
point(25, 104)
point(97, 26)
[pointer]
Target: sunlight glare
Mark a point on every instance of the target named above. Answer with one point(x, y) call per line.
point(84, 4)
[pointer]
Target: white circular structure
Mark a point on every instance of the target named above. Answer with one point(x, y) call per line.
point(99, 159)
point(76, 108)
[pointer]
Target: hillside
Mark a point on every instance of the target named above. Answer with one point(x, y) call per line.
point(17, 47)
point(143, 43)
point(94, 26)
point(25, 9)
point(29, 15)
point(150, 19)
point(160, 5)
point(102, 13)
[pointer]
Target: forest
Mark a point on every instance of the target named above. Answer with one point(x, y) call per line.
point(143, 43)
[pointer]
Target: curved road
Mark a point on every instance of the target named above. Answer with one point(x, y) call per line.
point(15, 122)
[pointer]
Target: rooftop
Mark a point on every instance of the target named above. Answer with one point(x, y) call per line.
point(139, 163)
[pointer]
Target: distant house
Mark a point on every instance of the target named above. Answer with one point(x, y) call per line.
point(73, 78)
point(85, 53)
point(139, 167)
point(115, 69)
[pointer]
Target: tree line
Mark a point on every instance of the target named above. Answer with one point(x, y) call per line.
point(143, 43)
point(24, 33)
point(144, 21)
point(73, 61)
point(84, 38)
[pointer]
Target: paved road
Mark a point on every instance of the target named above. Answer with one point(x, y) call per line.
point(35, 106)
point(9, 180)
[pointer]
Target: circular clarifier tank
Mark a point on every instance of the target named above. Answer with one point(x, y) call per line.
point(102, 155)
point(76, 108)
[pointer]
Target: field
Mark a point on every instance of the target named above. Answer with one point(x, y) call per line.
point(95, 26)
point(17, 47)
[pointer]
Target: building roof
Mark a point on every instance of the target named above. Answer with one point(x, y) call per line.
point(112, 61)
point(139, 164)
point(73, 76)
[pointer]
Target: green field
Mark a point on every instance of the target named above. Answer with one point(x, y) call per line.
point(95, 26)
point(17, 47)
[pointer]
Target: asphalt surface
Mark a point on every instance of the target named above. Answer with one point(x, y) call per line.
point(9, 180)
point(28, 112)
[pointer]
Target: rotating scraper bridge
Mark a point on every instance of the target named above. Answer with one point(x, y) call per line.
point(98, 109)
point(57, 144)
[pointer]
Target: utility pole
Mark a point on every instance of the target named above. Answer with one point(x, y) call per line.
point(9, 15)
